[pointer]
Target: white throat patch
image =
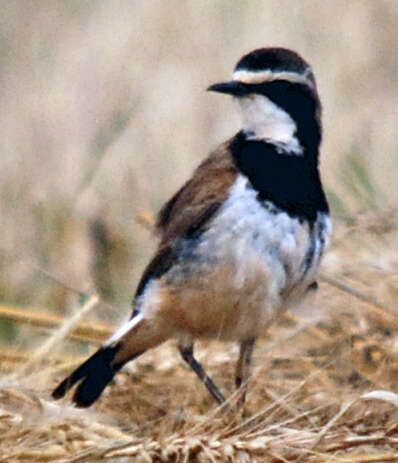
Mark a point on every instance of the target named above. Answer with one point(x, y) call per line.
point(264, 120)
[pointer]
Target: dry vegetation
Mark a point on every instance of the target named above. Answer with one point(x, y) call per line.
point(104, 115)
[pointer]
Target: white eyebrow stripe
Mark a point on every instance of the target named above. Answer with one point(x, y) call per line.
point(257, 77)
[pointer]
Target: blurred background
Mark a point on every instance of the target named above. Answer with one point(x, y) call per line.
point(104, 115)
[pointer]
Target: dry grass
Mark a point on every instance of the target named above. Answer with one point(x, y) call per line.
point(321, 391)
point(104, 116)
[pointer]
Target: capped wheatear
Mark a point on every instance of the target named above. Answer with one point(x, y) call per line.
point(242, 240)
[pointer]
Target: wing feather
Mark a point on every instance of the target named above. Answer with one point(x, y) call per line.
point(208, 187)
point(188, 213)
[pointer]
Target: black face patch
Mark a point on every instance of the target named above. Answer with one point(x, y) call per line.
point(303, 106)
point(290, 182)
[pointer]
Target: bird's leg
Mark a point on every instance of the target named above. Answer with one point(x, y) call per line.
point(243, 368)
point(187, 355)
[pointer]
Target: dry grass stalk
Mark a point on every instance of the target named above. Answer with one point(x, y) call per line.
point(58, 336)
point(389, 312)
point(93, 332)
point(11, 359)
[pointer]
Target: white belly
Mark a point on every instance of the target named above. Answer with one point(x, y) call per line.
point(253, 238)
point(253, 262)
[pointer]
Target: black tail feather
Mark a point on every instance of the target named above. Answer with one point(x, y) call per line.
point(94, 374)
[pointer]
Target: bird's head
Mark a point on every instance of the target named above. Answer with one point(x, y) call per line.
point(278, 97)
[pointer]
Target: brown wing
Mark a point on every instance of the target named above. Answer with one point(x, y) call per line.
point(200, 197)
point(189, 211)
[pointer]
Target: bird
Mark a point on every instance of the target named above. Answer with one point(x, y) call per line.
point(241, 241)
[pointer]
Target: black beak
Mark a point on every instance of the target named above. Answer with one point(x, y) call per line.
point(233, 87)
